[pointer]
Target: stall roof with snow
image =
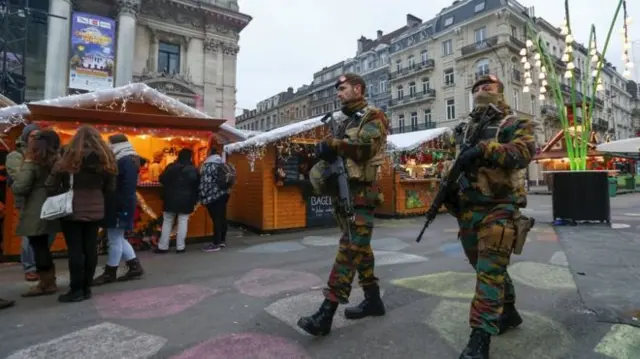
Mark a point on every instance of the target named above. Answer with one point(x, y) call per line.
point(279, 133)
point(629, 148)
point(132, 92)
point(411, 140)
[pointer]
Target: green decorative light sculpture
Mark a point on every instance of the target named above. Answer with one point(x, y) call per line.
point(576, 133)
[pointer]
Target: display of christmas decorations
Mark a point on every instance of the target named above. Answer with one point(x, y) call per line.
point(540, 64)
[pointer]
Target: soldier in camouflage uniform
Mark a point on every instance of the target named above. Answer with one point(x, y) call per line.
point(362, 147)
point(488, 213)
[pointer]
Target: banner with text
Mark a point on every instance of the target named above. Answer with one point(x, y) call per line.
point(92, 60)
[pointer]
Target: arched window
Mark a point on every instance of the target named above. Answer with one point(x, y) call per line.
point(482, 67)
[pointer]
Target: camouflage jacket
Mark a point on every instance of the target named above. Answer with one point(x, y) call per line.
point(370, 139)
point(497, 183)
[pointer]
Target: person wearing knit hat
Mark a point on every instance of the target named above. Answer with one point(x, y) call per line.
point(119, 213)
point(13, 162)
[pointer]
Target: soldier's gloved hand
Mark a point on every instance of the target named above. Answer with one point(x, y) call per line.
point(324, 150)
point(469, 156)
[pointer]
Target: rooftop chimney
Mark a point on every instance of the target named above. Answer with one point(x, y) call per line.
point(380, 33)
point(413, 20)
point(361, 42)
point(290, 90)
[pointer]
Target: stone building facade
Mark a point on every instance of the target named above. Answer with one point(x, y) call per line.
point(187, 49)
point(279, 110)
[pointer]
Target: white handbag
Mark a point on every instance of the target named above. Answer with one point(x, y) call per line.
point(59, 206)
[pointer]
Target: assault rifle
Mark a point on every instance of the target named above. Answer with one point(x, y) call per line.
point(337, 168)
point(456, 175)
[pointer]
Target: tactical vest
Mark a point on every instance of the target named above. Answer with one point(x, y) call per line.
point(368, 171)
point(495, 181)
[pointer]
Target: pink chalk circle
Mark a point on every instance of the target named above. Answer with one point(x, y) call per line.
point(245, 346)
point(151, 303)
point(264, 282)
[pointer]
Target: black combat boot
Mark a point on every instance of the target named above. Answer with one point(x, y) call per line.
point(478, 346)
point(371, 305)
point(320, 322)
point(509, 319)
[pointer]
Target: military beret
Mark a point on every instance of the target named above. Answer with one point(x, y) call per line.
point(488, 79)
point(351, 78)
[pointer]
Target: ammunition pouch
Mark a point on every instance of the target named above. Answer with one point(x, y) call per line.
point(523, 225)
point(496, 237)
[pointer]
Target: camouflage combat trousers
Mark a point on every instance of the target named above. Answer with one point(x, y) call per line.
point(355, 254)
point(487, 241)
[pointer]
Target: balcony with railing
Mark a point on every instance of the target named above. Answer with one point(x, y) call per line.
point(479, 46)
point(416, 97)
point(416, 69)
point(413, 128)
point(549, 110)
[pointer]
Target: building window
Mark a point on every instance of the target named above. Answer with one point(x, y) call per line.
point(451, 109)
point(447, 48)
point(383, 59)
point(414, 121)
point(514, 31)
point(383, 86)
point(268, 123)
point(412, 89)
point(533, 105)
point(516, 99)
point(398, 65)
point(448, 21)
point(401, 121)
point(400, 93)
point(480, 34)
point(411, 62)
point(169, 58)
point(448, 77)
point(426, 85)
point(424, 56)
point(479, 7)
point(482, 68)
point(427, 117)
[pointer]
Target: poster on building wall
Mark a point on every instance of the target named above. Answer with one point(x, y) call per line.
point(92, 57)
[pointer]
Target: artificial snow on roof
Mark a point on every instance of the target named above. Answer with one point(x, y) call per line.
point(146, 93)
point(411, 140)
point(250, 133)
point(279, 133)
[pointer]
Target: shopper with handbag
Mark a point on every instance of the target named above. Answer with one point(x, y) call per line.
point(29, 183)
point(87, 172)
point(119, 213)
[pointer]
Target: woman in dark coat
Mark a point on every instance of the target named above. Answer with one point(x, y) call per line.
point(29, 184)
point(180, 194)
point(93, 166)
point(119, 213)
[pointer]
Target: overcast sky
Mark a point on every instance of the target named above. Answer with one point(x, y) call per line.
point(289, 40)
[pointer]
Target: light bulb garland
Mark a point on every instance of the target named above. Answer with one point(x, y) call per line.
point(552, 83)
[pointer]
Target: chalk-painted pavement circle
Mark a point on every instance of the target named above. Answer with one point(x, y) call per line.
point(103, 341)
point(559, 259)
point(245, 346)
point(385, 244)
point(290, 309)
point(151, 303)
point(276, 247)
point(460, 285)
point(621, 342)
point(268, 282)
point(540, 338)
point(385, 258)
point(620, 226)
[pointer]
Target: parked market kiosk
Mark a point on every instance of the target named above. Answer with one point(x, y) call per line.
point(156, 125)
point(415, 166)
point(272, 190)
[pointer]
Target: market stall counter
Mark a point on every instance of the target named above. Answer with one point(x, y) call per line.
point(272, 190)
point(156, 125)
point(411, 177)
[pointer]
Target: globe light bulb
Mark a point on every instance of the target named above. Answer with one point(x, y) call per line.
point(525, 89)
